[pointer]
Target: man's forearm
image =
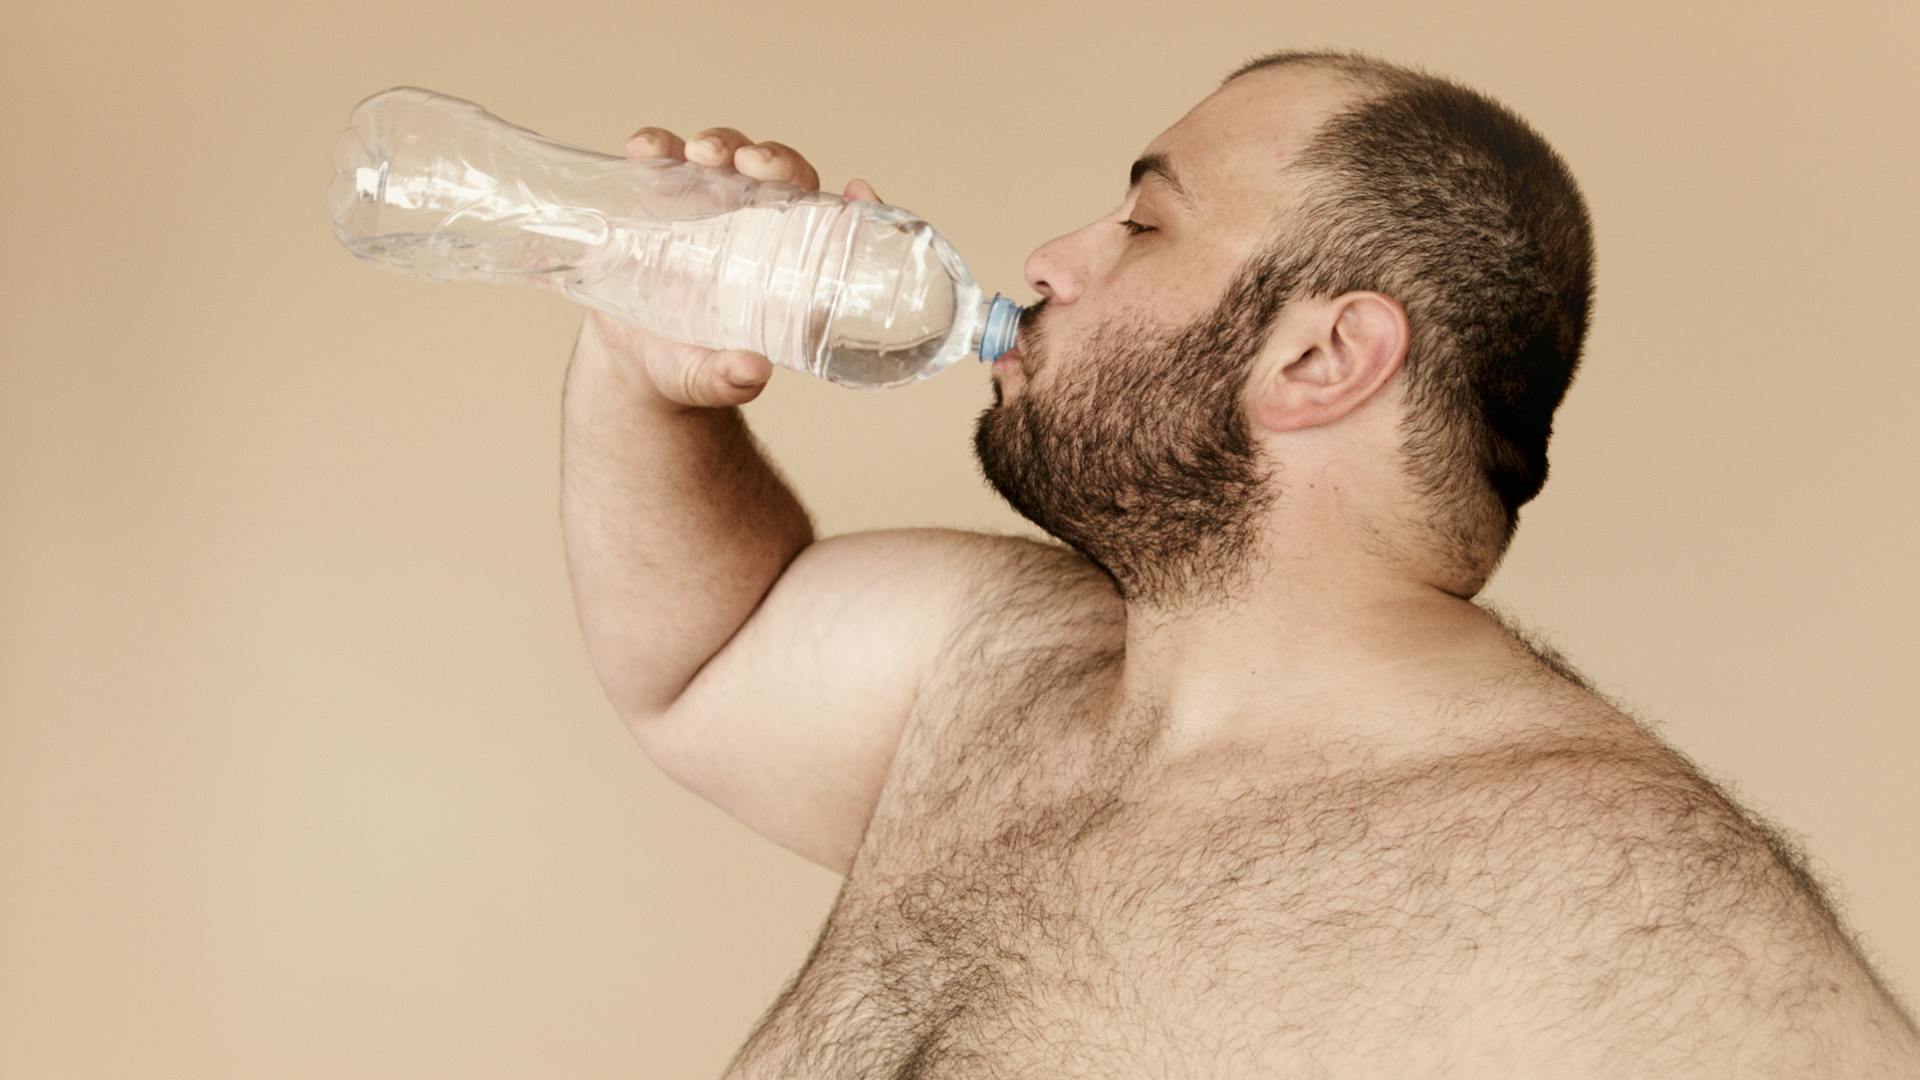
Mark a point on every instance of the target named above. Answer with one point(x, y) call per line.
point(675, 527)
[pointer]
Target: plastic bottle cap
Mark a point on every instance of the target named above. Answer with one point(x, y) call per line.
point(1003, 326)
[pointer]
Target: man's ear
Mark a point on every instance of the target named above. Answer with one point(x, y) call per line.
point(1327, 357)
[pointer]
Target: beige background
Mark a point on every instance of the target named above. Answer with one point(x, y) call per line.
point(303, 772)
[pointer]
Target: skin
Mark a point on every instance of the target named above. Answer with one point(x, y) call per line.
point(1560, 894)
point(1288, 547)
point(1287, 540)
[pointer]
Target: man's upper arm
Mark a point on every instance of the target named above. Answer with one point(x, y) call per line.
point(791, 726)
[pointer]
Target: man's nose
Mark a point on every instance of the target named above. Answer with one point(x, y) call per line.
point(1048, 276)
point(1058, 269)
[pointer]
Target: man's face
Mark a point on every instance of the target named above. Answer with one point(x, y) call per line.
point(1122, 431)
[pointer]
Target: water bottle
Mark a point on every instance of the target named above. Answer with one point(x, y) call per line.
point(859, 293)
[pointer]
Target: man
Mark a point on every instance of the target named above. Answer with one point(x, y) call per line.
point(1236, 780)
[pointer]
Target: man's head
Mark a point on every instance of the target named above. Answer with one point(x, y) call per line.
point(1364, 292)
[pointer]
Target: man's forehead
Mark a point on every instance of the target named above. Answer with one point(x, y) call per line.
point(1234, 145)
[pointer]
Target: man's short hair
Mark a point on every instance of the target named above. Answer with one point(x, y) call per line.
point(1444, 199)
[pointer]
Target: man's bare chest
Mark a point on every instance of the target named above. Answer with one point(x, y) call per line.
point(1039, 895)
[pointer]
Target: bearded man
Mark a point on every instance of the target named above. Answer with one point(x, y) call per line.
point(1235, 779)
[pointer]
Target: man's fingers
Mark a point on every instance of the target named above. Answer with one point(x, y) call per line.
point(654, 142)
point(730, 148)
point(777, 161)
point(716, 146)
point(860, 189)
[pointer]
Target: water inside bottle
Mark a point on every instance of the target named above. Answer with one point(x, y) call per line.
point(859, 293)
point(905, 307)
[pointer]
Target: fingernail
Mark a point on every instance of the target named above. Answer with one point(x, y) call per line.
point(760, 154)
point(711, 146)
point(741, 379)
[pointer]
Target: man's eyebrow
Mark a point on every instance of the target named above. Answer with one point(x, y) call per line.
point(1159, 165)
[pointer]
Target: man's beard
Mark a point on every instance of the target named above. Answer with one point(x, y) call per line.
point(1139, 455)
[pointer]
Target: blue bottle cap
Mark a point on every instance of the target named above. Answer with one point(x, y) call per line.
point(1003, 325)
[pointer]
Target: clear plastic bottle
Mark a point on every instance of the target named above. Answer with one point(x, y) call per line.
point(859, 293)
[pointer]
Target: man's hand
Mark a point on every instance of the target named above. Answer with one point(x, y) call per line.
point(685, 374)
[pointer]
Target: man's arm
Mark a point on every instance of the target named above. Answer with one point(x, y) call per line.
point(767, 672)
point(675, 526)
point(770, 673)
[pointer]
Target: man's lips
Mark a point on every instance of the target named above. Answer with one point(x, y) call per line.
point(1009, 359)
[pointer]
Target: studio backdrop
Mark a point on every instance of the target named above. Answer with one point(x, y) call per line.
point(303, 771)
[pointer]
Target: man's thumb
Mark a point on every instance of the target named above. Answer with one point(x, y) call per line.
point(740, 374)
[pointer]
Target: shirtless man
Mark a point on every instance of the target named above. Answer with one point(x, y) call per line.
point(1236, 780)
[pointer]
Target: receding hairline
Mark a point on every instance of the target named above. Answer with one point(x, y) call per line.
point(1365, 78)
point(1363, 71)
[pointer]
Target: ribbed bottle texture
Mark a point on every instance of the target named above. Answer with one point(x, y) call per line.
point(860, 293)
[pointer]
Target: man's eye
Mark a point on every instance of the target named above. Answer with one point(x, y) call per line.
point(1134, 228)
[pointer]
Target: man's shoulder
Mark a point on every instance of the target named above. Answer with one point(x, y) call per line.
point(1029, 605)
point(1618, 818)
point(1647, 895)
